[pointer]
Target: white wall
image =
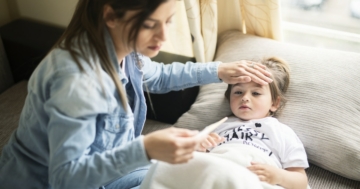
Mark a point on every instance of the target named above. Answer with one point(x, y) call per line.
point(4, 13)
point(57, 12)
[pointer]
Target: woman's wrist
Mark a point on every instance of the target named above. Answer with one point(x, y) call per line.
point(145, 142)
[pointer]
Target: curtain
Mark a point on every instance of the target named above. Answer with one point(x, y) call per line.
point(202, 17)
point(198, 23)
point(179, 37)
point(262, 18)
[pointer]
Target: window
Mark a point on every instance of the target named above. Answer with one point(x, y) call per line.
point(331, 24)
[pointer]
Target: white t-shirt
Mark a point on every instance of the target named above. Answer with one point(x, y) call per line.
point(268, 135)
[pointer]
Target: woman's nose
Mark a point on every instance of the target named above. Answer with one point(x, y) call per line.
point(162, 33)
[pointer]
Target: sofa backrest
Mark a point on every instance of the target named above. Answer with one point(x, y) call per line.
point(6, 79)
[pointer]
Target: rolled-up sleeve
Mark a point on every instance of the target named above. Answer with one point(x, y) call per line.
point(162, 78)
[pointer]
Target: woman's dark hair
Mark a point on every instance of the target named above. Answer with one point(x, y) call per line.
point(281, 79)
point(88, 24)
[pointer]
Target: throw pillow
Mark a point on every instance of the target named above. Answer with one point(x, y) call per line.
point(323, 105)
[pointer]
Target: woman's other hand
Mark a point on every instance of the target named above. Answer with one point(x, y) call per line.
point(172, 145)
point(212, 140)
point(244, 71)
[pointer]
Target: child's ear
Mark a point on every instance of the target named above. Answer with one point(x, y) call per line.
point(109, 16)
point(275, 105)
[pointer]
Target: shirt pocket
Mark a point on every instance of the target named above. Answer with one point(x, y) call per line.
point(113, 130)
point(119, 124)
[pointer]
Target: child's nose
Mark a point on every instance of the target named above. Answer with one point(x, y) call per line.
point(245, 98)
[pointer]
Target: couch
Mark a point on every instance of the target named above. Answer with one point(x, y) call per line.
point(323, 107)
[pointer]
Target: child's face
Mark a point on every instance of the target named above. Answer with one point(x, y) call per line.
point(251, 101)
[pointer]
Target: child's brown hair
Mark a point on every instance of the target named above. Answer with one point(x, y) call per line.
point(281, 79)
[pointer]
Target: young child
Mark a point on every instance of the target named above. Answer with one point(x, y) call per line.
point(255, 108)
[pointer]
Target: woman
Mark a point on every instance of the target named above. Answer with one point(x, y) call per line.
point(81, 123)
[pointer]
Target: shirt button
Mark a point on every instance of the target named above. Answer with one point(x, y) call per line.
point(117, 126)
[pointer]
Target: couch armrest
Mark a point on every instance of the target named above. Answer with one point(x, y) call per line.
point(11, 104)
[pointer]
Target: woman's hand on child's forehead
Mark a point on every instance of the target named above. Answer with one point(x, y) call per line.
point(244, 71)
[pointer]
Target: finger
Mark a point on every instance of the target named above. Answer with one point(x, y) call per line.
point(262, 67)
point(222, 139)
point(218, 139)
point(204, 145)
point(207, 144)
point(252, 64)
point(259, 172)
point(262, 178)
point(263, 74)
point(255, 167)
point(186, 143)
point(258, 77)
point(184, 132)
point(260, 71)
point(211, 142)
point(240, 79)
point(258, 165)
point(251, 74)
point(252, 168)
point(216, 136)
point(201, 149)
point(184, 159)
point(179, 153)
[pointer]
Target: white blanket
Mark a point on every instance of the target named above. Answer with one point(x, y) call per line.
point(222, 168)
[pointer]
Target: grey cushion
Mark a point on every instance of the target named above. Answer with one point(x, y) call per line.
point(11, 104)
point(324, 98)
point(209, 107)
point(320, 178)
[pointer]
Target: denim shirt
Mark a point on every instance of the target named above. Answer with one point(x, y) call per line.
point(73, 131)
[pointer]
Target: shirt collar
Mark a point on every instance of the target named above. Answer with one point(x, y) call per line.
point(112, 55)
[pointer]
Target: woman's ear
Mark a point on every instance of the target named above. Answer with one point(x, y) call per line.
point(275, 105)
point(109, 16)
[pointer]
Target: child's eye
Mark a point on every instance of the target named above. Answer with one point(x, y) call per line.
point(237, 92)
point(256, 93)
